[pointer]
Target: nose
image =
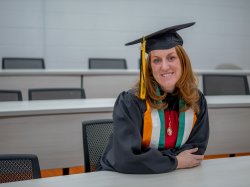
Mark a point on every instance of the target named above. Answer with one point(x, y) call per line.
point(165, 64)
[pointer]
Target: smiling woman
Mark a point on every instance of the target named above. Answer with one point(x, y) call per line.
point(166, 68)
point(162, 123)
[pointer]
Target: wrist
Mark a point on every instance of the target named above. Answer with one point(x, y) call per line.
point(179, 163)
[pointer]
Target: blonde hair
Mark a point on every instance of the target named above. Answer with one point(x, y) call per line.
point(186, 86)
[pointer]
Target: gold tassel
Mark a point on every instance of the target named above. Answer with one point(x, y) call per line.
point(143, 70)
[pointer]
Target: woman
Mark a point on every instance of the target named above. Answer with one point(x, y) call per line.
point(162, 124)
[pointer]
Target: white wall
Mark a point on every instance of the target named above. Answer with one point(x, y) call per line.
point(21, 28)
point(67, 32)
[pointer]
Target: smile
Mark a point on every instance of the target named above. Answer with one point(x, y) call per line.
point(167, 74)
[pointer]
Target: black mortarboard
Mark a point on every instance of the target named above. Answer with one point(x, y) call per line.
point(163, 39)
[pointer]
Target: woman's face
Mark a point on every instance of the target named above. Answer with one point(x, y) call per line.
point(166, 68)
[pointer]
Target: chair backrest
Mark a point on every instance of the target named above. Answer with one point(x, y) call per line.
point(225, 85)
point(95, 138)
point(56, 93)
point(17, 167)
point(10, 95)
point(23, 63)
point(107, 63)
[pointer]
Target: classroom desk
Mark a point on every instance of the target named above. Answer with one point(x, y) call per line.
point(229, 124)
point(97, 83)
point(52, 129)
point(49, 107)
point(224, 172)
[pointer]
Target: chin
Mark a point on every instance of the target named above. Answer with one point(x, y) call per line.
point(168, 89)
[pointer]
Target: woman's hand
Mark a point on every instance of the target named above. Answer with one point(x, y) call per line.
point(187, 159)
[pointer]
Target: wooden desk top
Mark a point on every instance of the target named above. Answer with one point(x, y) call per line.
point(88, 72)
point(67, 72)
point(226, 172)
point(229, 101)
point(22, 108)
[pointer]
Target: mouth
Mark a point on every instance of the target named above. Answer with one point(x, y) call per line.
point(169, 74)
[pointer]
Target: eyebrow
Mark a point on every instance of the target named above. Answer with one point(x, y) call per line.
point(167, 54)
point(171, 53)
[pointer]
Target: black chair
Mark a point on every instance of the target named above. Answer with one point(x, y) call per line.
point(23, 63)
point(18, 167)
point(95, 138)
point(10, 95)
point(56, 93)
point(217, 84)
point(107, 63)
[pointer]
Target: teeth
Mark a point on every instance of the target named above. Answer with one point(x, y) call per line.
point(167, 74)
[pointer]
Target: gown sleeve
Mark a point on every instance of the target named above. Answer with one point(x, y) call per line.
point(200, 133)
point(124, 152)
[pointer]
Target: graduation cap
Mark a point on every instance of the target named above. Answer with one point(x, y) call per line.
point(163, 39)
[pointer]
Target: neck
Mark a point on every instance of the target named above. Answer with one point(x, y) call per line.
point(168, 90)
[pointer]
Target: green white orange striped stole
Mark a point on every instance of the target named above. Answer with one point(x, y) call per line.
point(154, 126)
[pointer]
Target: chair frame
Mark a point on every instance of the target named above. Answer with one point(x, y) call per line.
point(109, 59)
point(18, 92)
point(83, 95)
point(34, 160)
point(20, 58)
point(211, 75)
point(85, 139)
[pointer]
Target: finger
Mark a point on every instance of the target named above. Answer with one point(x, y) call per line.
point(193, 150)
point(198, 157)
point(195, 163)
point(192, 164)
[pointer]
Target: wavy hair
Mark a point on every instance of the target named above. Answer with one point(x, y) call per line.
point(186, 86)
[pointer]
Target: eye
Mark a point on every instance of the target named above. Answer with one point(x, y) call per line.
point(156, 60)
point(172, 58)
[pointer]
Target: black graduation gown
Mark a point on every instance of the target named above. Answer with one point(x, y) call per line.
point(124, 152)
